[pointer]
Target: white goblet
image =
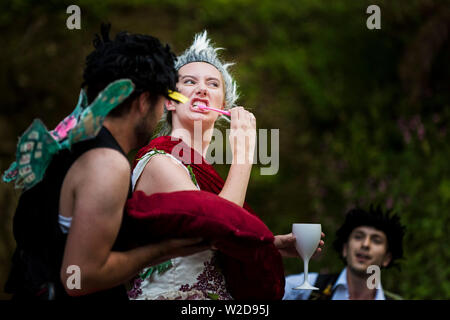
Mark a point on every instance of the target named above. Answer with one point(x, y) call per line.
point(307, 237)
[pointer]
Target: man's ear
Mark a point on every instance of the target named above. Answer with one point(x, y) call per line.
point(143, 103)
point(386, 260)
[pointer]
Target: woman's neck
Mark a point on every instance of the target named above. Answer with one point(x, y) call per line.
point(198, 138)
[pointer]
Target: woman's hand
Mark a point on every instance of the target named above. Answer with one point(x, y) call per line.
point(242, 135)
point(285, 244)
point(242, 141)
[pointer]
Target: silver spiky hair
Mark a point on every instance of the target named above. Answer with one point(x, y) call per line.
point(201, 50)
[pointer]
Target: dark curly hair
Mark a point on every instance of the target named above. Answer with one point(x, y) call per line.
point(376, 218)
point(141, 58)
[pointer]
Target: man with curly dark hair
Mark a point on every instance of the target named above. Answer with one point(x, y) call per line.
point(367, 238)
point(71, 222)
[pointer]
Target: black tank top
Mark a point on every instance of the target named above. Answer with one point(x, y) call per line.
point(38, 257)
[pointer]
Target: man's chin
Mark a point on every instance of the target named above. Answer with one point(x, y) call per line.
point(143, 134)
point(359, 270)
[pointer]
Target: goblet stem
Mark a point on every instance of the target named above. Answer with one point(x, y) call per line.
point(305, 267)
point(306, 285)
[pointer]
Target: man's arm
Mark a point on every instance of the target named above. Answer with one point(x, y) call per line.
point(101, 181)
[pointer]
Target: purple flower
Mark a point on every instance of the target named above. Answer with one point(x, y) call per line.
point(421, 132)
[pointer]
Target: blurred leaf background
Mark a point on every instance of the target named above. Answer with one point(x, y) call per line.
point(363, 114)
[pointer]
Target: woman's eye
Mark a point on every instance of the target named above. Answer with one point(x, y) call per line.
point(189, 81)
point(214, 84)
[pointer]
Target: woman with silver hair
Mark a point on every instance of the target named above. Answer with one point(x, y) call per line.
point(205, 80)
point(163, 167)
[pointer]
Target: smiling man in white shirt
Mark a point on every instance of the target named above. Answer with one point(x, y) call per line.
point(367, 238)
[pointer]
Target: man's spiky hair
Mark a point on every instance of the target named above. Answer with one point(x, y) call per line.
point(202, 50)
point(141, 58)
point(376, 218)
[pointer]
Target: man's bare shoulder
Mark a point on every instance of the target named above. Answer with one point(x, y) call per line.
point(100, 157)
point(101, 163)
point(100, 181)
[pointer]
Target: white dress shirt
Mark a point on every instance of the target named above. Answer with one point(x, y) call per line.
point(341, 286)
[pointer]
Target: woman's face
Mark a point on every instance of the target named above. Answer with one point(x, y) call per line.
point(202, 84)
